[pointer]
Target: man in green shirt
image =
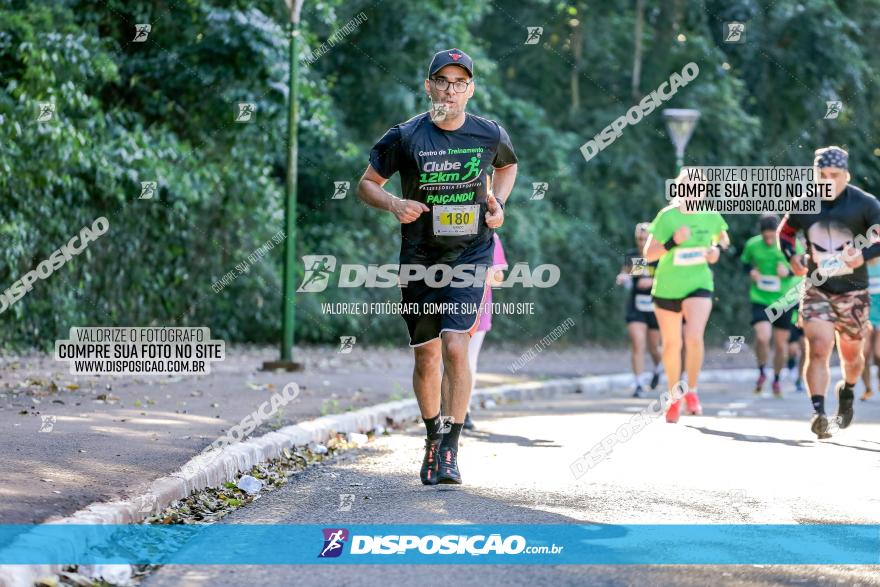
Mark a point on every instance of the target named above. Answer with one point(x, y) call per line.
point(685, 245)
point(771, 277)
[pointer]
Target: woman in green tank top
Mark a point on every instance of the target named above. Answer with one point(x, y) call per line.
point(685, 244)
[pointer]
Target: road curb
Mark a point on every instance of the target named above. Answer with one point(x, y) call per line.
point(213, 468)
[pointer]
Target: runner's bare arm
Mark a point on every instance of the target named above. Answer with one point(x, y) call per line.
point(624, 276)
point(653, 249)
point(370, 192)
point(498, 189)
point(502, 182)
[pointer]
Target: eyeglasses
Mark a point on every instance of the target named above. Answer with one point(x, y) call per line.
point(442, 84)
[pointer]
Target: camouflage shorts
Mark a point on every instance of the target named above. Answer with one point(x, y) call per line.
point(848, 311)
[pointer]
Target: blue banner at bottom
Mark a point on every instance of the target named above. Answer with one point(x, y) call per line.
point(240, 544)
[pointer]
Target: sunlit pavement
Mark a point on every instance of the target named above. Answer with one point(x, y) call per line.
point(748, 459)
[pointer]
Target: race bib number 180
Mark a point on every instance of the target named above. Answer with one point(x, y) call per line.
point(456, 220)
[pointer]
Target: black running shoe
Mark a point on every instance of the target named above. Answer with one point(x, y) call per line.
point(431, 462)
point(844, 407)
point(655, 381)
point(819, 426)
point(468, 424)
point(449, 467)
point(638, 391)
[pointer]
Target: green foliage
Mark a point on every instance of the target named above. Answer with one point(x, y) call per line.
point(163, 111)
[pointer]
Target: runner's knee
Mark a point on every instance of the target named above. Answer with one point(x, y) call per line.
point(455, 346)
point(427, 361)
point(638, 345)
point(693, 337)
point(672, 346)
point(820, 348)
point(851, 352)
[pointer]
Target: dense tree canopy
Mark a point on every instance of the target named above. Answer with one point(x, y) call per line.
point(163, 110)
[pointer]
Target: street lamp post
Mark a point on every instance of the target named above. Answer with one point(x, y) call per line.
point(289, 285)
point(680, 123)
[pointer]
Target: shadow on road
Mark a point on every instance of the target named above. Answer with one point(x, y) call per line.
point(512, 439)
point(751, 437)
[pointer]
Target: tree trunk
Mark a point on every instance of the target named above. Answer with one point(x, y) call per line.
point(637, 51)
point(577, 48)
point(657, 67)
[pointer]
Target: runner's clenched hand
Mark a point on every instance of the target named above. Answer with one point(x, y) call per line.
point(782, 270)
point(713, 254)
point(407, 211)
point(681, 235)
point(494, 213)
point(853, 256)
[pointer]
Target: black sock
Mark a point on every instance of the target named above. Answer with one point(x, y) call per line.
point(818, 403)
point(846, 392)
point(761, 370)
point(431, 425)
point(790, 363)
point(450, 439)
point(776, 377)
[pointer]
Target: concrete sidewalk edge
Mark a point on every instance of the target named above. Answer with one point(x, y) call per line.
point(211, 469)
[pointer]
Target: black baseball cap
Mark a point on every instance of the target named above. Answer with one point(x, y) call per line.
point(451, 57)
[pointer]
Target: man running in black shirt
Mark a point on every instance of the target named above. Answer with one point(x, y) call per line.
point(448, 213)
point(836, 299)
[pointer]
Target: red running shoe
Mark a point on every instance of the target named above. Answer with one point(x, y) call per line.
point(759, 384)
point(672, 412)
point(692, 404)
point(777, 390)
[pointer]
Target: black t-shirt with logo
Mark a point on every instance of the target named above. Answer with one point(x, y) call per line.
point(446, 170)
point(838, 222)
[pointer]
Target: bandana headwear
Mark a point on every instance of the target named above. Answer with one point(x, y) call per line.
point(831, 157)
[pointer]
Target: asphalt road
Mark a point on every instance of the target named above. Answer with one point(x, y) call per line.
point(111, 435)
point(747, 460)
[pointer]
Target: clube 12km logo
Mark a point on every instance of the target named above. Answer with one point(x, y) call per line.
point(335, 540)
